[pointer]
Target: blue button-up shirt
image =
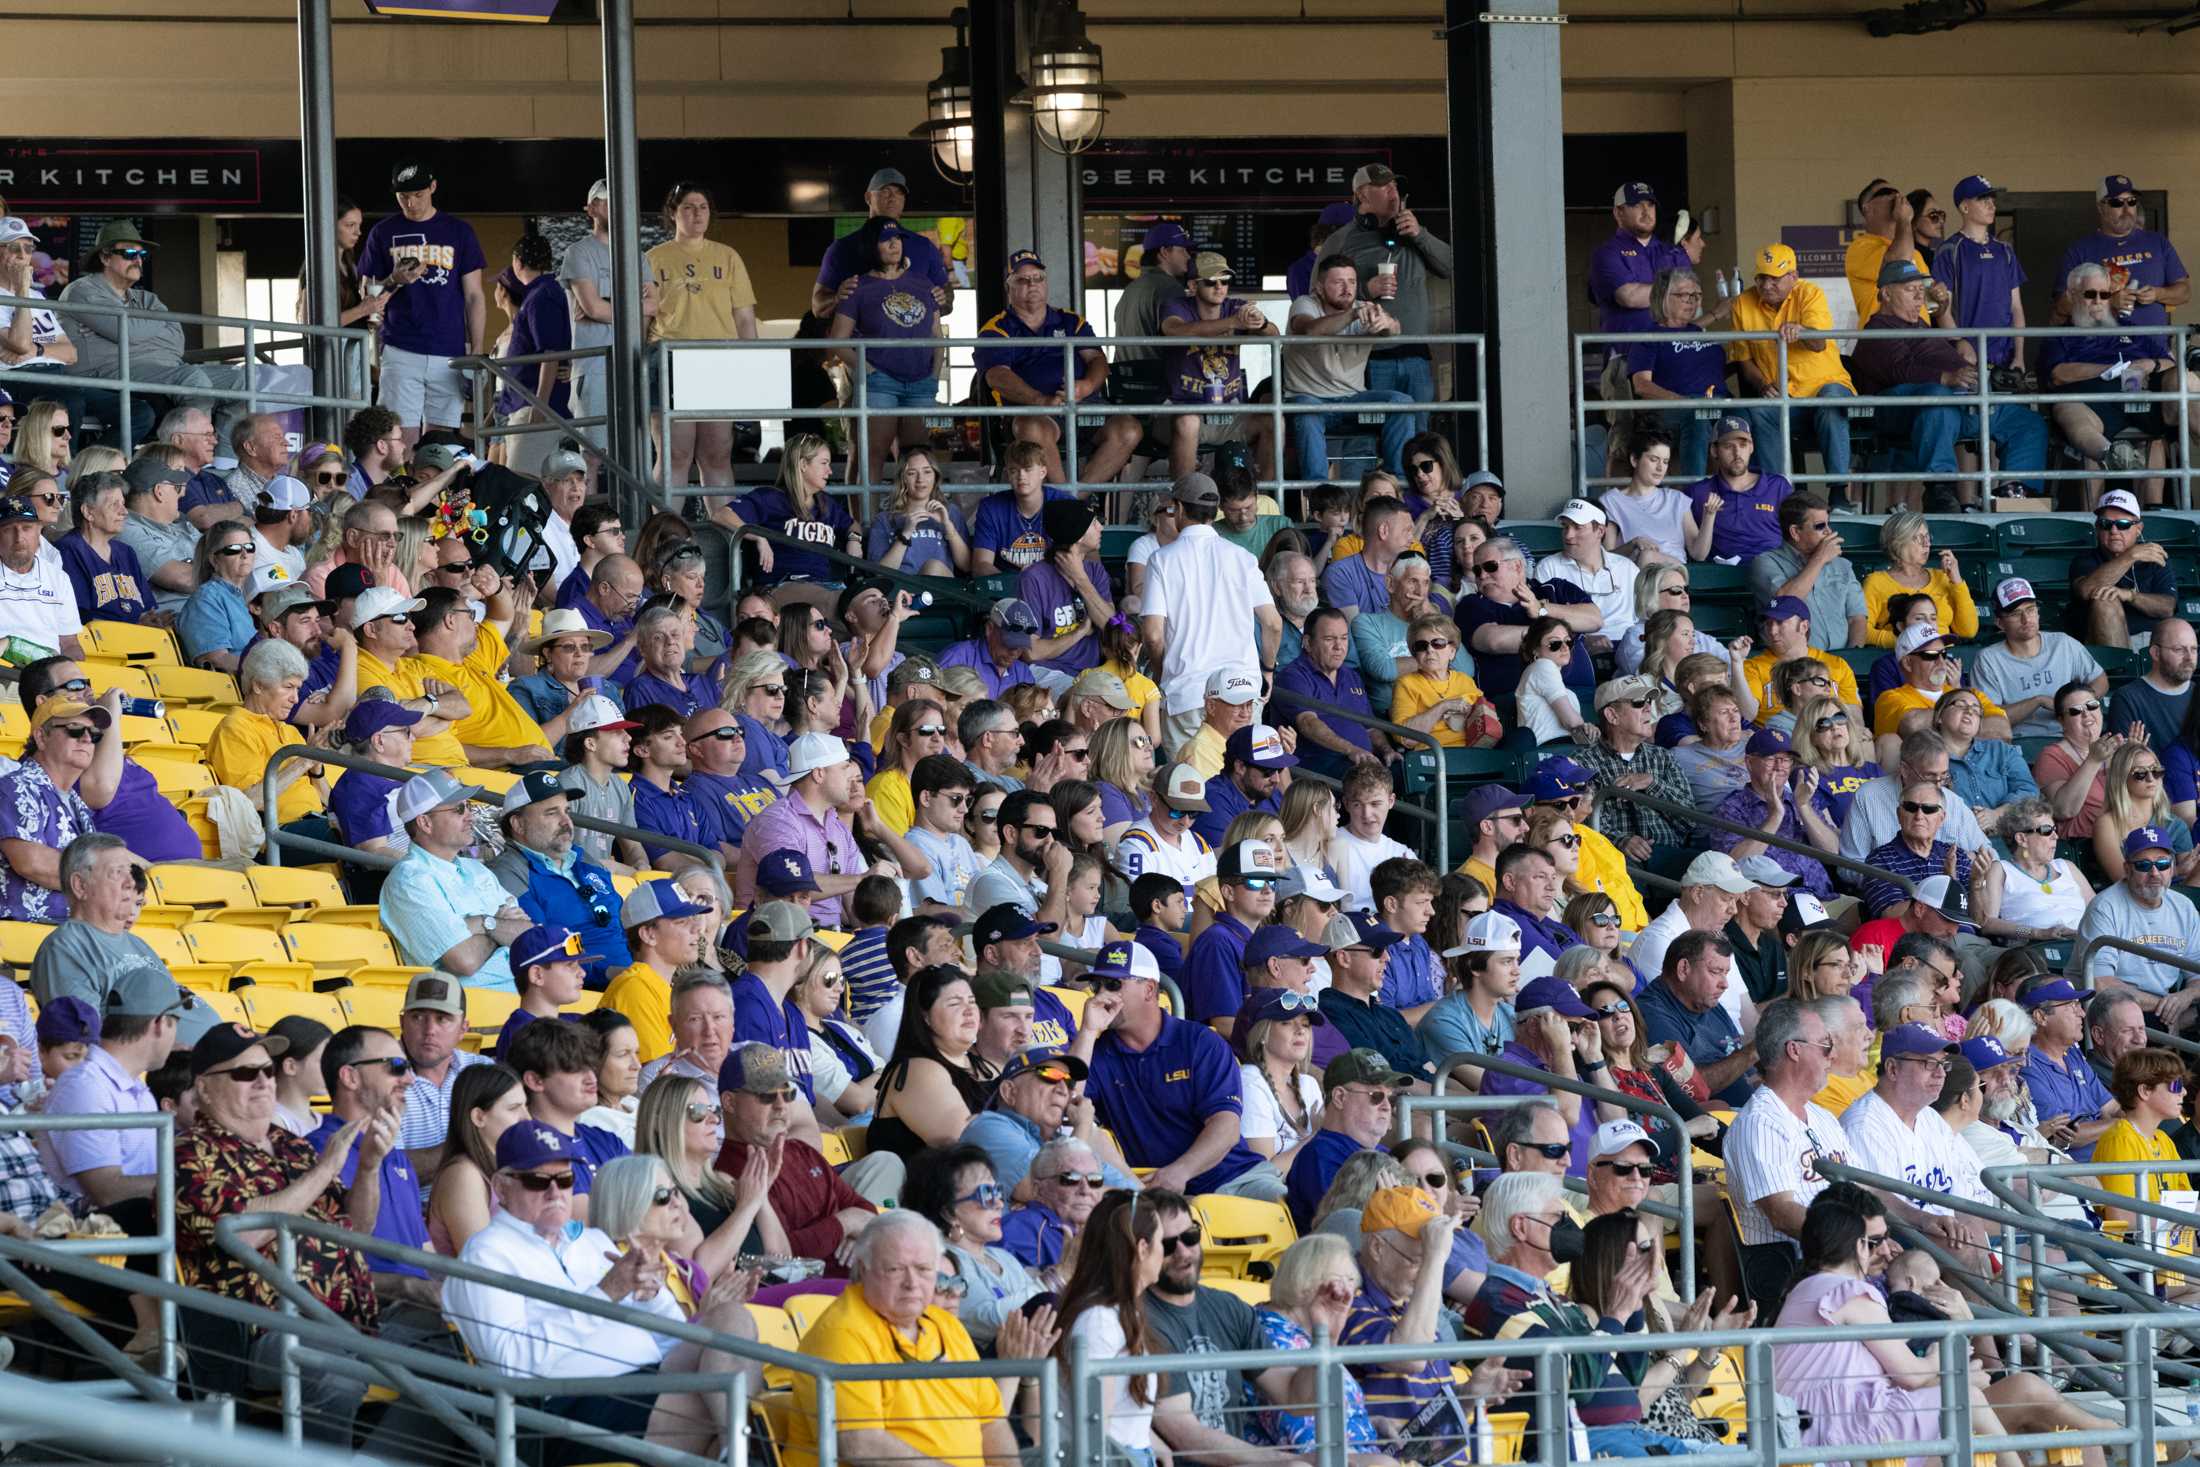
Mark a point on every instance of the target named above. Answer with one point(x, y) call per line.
point(215, 619)
point(425, 903)
point(2065, 1087)
point(1012, 1141)
point(1991, 774)
point(1034, 1234)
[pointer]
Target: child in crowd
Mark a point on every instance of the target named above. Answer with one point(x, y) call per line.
point(68, 1027)
point(1357, 849)
point(1336, 511)
point(1158, 905)
point(1691, 675)
point(1405, 899)
point(876, 904)
point(1121, 654)
point(1435, 697)
point(1082, 924)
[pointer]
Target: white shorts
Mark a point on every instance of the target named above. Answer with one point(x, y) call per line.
point(587, 388)
point(422, 390)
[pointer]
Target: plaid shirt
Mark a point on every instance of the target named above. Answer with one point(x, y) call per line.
point(25, 1189)
point(1617, 820)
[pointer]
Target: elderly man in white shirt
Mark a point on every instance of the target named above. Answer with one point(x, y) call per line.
point(532, 1237)
point(1776, 1139)
point(1608, 580)
point(1873, 819)
point(1893, 1130)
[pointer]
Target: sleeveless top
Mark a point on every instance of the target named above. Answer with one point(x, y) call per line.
point(892, 1133)
point(2031, 902)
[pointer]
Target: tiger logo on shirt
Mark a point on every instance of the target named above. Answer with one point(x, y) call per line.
point(904, 310)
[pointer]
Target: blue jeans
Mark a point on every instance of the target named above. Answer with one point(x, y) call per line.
point(1413, 376)
point(884, 390)
point(2020, 435)
point(1832, 424)
point(1310, 431)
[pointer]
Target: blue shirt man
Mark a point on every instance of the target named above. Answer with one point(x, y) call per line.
point(1709, 1035)
point(2061, 1083)
point(1214, 969)
point(402, 1218)
point(2139, 258)
point(555, 884)
point(1632, 256)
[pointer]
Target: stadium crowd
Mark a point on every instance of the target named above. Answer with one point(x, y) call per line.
point(953, 982)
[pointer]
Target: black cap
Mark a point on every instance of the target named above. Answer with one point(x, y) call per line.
point(224, 1042)
point(347, 581)
point(1065, 521)
point(411, 177)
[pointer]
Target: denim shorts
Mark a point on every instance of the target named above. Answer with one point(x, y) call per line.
point(884, 390)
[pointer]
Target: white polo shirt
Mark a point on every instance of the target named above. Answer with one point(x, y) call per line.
point(39, 605)
point(1611, 589)
point(1209, 590)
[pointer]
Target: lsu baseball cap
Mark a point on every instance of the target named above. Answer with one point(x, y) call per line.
point(1581, 512)
point(1307, 881)
point(67, 1019)
point(755, 1068)
point(54, 708)
point(785, 872)
point(1613, 1137)
point(1123, 958)
point(1006, 922)
point(1024, 260)
point(1974, 187)
point(531, 1144)
point(2122, 499)
point(1732, 426)
point(1550, 992)
point(2147, 838)
point(1015, 621)
point(538, 945)
point(1766, 742)
point(370, 716)
point(1985, 1053)
point(1487, 932)
point(1168, 234)
point(1485, 800)
point(1914, 1039)
point(1633, 193)
point(1278, 940)
point(1259, 745)
point(1781, 608)
point(2053, 991)
point(1915, 637)
point(1776, 260)
point(2115, 186)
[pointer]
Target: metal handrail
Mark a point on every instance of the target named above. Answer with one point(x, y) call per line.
point(29, 1407)
point(1273, 406)
point(1391, 730)
point(1979, 399)
point(940, 587)
point(277, 837)
point(1688, 814)
point(1599, 1094)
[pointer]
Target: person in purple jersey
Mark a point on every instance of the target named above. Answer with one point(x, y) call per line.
point(1007, 534)
point(109, 583)
point(550, 971)
point(1749, 502)
point(894, 300)
point(540, 324)
point(2145, 274)
point(1982, 273)
point(1037, 374)
point(1206, 371)
point(886, 195)
point(1069, 592)
point(799, 508)
point(1623, 268)
point(430, 265)
point(999, 654)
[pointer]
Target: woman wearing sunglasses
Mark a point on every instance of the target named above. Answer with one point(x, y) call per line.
point(1437, 698)
point(1597, 918)
point(2032, 895)
point(954, 1189)
point(1283, 1098)
point(1635, 1071)
point(2133, 796)
point(842, 1062)
point(918, 731)
point(679, 1125)
point(1826, 739)
point(1548, 709)
point(215, 625)
point(2072, 773)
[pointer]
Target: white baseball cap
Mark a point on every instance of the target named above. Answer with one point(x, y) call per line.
point(1581, 512)
point(431, 791)
point(1717, 868)
point(1915, 637)
point(2122, 499)
point(806, 755)
point(284, 492)
point(1233, 685)
point(266, 579)
point(376, 602)
point(1613, 1137)
point(596, 711)
point(1487, 932)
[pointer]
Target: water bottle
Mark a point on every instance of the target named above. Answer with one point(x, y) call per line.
point(1725, 291)
point(144, 708)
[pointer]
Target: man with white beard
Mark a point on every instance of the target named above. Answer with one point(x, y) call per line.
point(1291, 581)
point(2101, 367)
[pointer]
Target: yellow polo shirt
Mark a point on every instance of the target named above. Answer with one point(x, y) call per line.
point(497, 722)
point(1887, 712)
point(645, 997)
point(1757, 671)
point(1808, 371)
point(940, 1420)
point(238, 752)
point(1203, 751)
point(1842, 1091)
point(438, 750)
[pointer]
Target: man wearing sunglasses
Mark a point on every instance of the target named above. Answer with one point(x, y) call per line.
point(365, 1072)
point(1209, 370)
point(1256, 766)
point(156, 344)
point(1359, 1089)
point(1033, 1102)
point(2123, 585)
point(2148, 277)
point(1496, 617)
point(2143, 909)
point(1353, 1004)
point(1929, 670)
point(1779, 800)
point(1895, 1132)
point(1065, 1185)
point(1214, 968)
point(1627, 757)
point(821, 1208)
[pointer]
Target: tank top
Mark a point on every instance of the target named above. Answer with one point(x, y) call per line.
point(892, 1133)
point(2031, 902)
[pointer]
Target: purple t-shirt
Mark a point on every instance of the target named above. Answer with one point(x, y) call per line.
point(1061, 611)
point(109, 588)
point(429, 315)
point(974, 655)
point(1980, 276)
point(902, 308)
point(403, 1217)
point(1345, 690)
point(359, 806)
point(543, 323)
point(1015, 538)
point(1625, 260)
point(828, 522)
point(1196, 370)
point(1684, 362)
point(2143, 257)
point(1749, 519)
point(144, 819)
point(857, 252)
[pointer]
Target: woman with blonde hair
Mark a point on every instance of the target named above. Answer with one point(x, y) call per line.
point(1907, 539)
point(1552, 832)
point(917, 731)
point(843, 1065)
point(797, 506)
point(1658, 588)
point(1122, 767)
point(1828, 740)
point(324, 469)
point(2134, 797)
point(918, 531)
point(41, 428)
point(1315, 1282)
point(756, 696)
point(1309, 824)
point(1363, 1174)
point(412, 538)
point(1283, 1099)
point(96, 458)
point(1821, 966)
point(679, 1122)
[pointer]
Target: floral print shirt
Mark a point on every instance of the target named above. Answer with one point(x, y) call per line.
point(219, 1172)
point(33, 808)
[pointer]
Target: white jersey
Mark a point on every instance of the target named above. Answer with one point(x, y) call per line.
point(1770, 1150)
point(1141, 849)
point(1927, 1155)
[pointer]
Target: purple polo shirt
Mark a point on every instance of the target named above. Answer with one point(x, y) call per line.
point(788, 825)
point(143, 819)
point(1585, 1125)
point(1061, 611)
point(1749, 519)
point(974, 655)
point(99, 1086)
point(1345, 690)
point(1980, 276)
point(1625, 260)
point(403, 1218)
point(1544, 934)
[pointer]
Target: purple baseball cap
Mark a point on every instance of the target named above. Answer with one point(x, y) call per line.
point(1551, 993)
point(1338, 215)
point(1913, 1039)
point(1167, 234)
point(1766, 742)
point(1984, 1053)
point(2055, 990)
point(1485, 800)
point(1279, 941)
point(2147, 838)
point(782, 873)
point(1780, 608)
point(1974, 187)
point(67, 1020)
point(530, 1144)
point(1567, 771)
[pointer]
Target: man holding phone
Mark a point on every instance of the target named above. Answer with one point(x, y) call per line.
point(430, 264)
point(1396, 257)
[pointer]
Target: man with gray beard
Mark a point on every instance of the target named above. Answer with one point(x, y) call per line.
point(1291, 581)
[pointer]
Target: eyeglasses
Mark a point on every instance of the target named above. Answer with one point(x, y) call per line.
point(1933, 1062)
point(1877, 1241)
point(1425, 466)
point(985, 1194)
point(1627, 1168)
point(2119, 526)
point(1548, 1150)
point(2149, 775)
point(1186, 1240)
point(1487, 567)
point(396, 1064)
point(931, 730)
point(2128, 201)
point(1430, 644)
point(2076, 708)
point(545, 1181)
point(1918, 807)
point(1381, 1098)
point(2098, 295)
point(2162, 864)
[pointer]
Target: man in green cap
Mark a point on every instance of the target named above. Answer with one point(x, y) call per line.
point(156, 347)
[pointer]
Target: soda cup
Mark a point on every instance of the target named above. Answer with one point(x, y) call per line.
point(144, 708)
point(922, 600)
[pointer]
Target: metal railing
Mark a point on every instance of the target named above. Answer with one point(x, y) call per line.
point(1440, 817)
point(1980, 399)
point(2084, 950)
point(1831, 860)
point(350, 345)
point(1093, 411)
point(123, 1430)
point(1685, 1206)
point(277, 837)
point(486, 373)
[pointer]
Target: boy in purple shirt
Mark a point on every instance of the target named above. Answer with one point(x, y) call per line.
point(430, 266)
point(1068, 592)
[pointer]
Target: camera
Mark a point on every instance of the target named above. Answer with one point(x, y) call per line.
point(2010, 379)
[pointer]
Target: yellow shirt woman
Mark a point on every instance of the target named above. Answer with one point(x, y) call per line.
point(700, 285)
point(1955, 612)
point(238, 753)
point(1417, 692)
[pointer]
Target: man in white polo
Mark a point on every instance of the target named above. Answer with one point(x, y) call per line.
point(1205, 609)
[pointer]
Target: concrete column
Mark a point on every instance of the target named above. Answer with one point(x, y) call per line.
point(1506, 164)
point(317, 140)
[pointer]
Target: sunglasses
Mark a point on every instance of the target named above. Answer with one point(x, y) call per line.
point(247, 550)
point(1094, 1180)
point(1611, 1010)
point(1881, 193)
point(1215, 282)
point(74, 685)
point(1831, 720)
point(1601, 919)
point(1076, 753)
point(783, 1097)
point(1289, 1000)
point(1924, 656)
point(660, 1197)
point(1487, 567)
point(545, 1181)
point(1425, 466)
point(770, 690)
point(1627, 1168)
point(1568, 841)
point(328, 478)
point(948, 1283)
point(1559, 645)
point(2098, 295)
point(1186, 1240)
point(246, 1074)
point(2162, 864)
point(1917, 807)
point(1672, 590)
point(2077, 708)
point(397, 619)
point(1548, 1150)
point(699, 1112)
point(60, 430)
point(82, 731)
point(1430, 644)
point(1877, 1241)
point(396, 1064)
point(2149, 775)
point(985, 1194)
point(2128, 201)
point(933, 730)
point(1256, 883)
point(2119, 526)
point(990, 817)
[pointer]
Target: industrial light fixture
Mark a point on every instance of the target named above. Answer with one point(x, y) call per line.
point(1068, 94)
point(947, 112)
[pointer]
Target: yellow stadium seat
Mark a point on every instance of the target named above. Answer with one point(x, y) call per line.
point(138, 732)
point(589, 1001)
point(14, 722)
point(1723, 1396)
point(383, 975)
point(775, 1329)
point(1252, 1291)
point(377, 1006)
point(167, 943)
point(216, 892)
point(495, 781)
point(177, 779)
point(104, 676)
point(227, 1007)
point(264, 1006)
point(623, 884)
point(336, 951)
point(192, 727)
point(771, 1421)
point(1072, 999)
point(857, 1139)
point(197, 686)
point(487, 1009)
point(804, 1309)
point(309, 892)
point(1242, 1234)
point(833, 1149)
point(19, 943)
point(251, 952)
point(121, 641)
point(1511, 1431)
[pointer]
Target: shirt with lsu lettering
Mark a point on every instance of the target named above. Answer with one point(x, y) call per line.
point(1156, 1100)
